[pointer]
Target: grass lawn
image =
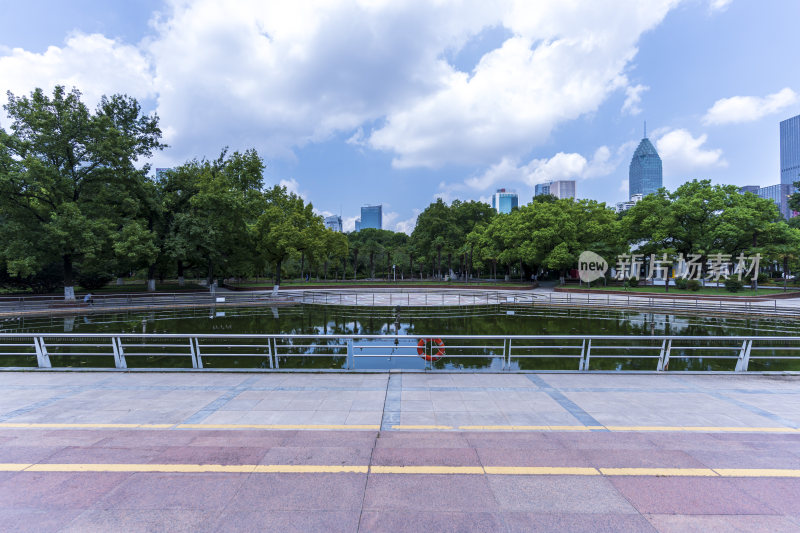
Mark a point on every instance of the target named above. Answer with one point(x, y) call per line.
point(704, 291)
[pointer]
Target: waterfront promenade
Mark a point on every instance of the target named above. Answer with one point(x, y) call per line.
point(111, 451)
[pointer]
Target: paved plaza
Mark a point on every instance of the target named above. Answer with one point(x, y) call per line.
point(149, 451)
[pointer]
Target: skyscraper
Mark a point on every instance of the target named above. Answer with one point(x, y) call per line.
point(780, 195)
point(334, 222)
point(790, 150)
point(504, 201)
point(563, 188)
point(371, 217)
point(558, 188)
point(644, 174)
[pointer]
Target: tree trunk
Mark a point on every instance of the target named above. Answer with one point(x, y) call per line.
point(326, 270)
point(669, 275)
point(388, 266)
point(151, 278)
point(302, 264)
point(785, 271)
point(355, 265)
point(277, 275)
point(210, 274)
point(69, 289)
point(411, 264)
point(181, 280)
point(372, 264)
point(449, 264)
point(439, 262)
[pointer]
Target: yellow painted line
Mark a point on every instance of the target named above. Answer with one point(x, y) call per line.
point(99, 467)
point(420, 427)
point(671, 472)
point(569, 428)
point(377, 469)
point(757, 472)
point(13, 467)
point(741, 429)
point(399, 469)
point(279, 426)
point(541, 471)
point(498, 428)
point(311, 469)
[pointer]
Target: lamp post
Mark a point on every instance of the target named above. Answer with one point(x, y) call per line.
point(394, 272)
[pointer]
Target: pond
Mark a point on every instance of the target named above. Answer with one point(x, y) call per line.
point(421, 322)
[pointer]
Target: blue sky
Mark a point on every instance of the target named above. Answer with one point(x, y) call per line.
point(376, 101)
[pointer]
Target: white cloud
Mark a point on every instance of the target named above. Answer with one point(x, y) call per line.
point(718, 5)
point(278, 75)
point(633, 97)
point(349, 223)
point(559, 167)
point(407, 226)
point(93, 63)
point(680, 151)
point(563, 60)
point(739, 109)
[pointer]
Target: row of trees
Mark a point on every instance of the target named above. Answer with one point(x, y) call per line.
point(77, 204)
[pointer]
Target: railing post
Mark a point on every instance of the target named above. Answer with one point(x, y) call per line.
point(350, 361)
point(194, 345)
point(119, 354)
point(581, 362)
point(660, 366)
point(667, 351)
point(744, 356)
point(588, 355)
point(269, 351)
point(42, 357)
point(507, 361)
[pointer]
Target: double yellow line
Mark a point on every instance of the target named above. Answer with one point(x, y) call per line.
point(380, 469)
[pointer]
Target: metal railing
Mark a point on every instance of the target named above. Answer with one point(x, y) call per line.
point(358, 352)
point(398, 297)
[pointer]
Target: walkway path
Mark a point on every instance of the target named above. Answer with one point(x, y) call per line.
point(398, 452)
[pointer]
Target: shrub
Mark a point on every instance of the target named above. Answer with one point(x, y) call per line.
point(633, 282)
point(693, 285)
point(681, 283)
point(92, 280)
point(763, 277)
point(733, 285)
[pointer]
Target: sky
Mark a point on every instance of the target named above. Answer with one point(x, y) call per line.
point(399, 103)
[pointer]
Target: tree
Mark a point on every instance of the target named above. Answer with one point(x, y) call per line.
point(64, 171)
point(282, 227)
point(225, 202)
point(700, 218)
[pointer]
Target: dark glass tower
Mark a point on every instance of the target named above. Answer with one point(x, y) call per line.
point(644, 175)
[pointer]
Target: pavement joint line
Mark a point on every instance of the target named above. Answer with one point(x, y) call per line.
point(568, 405)
point(402, 470)
point(279, 426)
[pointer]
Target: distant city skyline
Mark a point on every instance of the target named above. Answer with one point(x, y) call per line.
point(450, 99)
point(645, 172)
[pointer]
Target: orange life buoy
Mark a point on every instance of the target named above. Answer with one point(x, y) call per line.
point(431, 356)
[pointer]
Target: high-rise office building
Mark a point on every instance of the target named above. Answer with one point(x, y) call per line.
point(749, 188)
point(644, 173)
point(790, 150)
point(358, 224)
point(334, 222)
point(504, 201)
point(780, 195)
point(558, 188)
point(563, 188)
point(371, 217)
